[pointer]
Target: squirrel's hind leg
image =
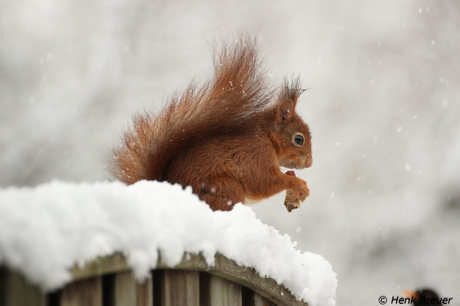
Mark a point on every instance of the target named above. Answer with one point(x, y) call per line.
point(222, 193)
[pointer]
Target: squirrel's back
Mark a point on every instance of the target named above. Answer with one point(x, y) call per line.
point(225, 104)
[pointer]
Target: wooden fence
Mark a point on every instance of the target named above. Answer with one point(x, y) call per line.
point(108, 282)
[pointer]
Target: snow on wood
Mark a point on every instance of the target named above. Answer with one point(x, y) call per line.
point(45, 230)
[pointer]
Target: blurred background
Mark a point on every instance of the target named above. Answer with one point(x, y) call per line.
point(383, 107)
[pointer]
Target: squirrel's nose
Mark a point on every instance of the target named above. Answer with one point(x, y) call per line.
point(309, 161)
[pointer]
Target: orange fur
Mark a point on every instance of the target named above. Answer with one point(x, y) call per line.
point(226, 138)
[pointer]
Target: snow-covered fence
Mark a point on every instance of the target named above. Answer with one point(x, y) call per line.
point(108, 281)
point(94, 243)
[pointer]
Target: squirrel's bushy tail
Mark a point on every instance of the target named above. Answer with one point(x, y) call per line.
point(225, 104)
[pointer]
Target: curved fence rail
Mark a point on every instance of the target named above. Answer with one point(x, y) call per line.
point(108, 281)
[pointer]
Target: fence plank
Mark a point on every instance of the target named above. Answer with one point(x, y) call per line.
point(180, 287)
point(15, 290)
point(86, 292)
point(223, 292)
point(129, 292)
point(145, 293)
point(259, 300)
point(125, 289)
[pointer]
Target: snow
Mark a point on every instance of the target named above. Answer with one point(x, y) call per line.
point(45, 230)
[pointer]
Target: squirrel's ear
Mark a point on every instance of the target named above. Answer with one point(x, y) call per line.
point(285, 109)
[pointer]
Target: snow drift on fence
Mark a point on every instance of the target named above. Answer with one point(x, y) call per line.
point(45, 230)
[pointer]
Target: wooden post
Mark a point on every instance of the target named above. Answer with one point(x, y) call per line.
point(145, 293)
point(258, 300)
point(85, 292)
point(15, 290)
point(223, 292)
point(180, 287)
point(130, 292)
point(125, 289)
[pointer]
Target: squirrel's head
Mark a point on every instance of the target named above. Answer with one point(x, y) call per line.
point(291, 133)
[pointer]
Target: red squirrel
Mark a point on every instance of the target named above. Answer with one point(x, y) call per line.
point(227, 138)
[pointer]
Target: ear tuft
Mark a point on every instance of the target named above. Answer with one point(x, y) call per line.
point(291, 90)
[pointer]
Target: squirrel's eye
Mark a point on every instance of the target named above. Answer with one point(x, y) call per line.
point(298, 140)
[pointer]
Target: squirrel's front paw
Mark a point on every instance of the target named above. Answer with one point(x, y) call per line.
point(291, 202)
point(294, 199)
